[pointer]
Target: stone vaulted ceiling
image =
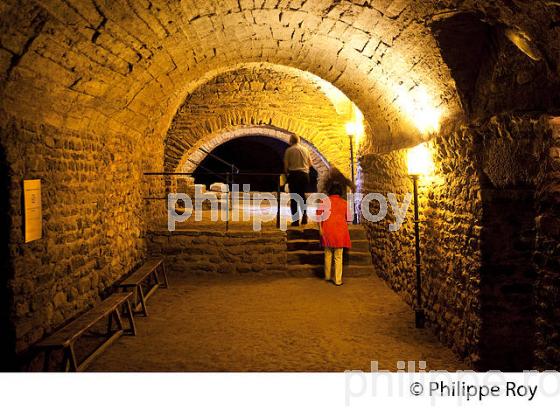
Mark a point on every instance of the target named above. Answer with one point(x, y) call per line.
point(127, 65)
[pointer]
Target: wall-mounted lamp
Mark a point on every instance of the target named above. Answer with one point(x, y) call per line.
point(524, 43)
point(418, 105)
point(419, 163)
point(350, 128)
point(355, 130)
point(351, 131)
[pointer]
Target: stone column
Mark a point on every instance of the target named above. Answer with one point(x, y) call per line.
point(547, 256)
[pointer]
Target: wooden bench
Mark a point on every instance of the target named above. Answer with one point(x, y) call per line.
point(147, 274)
point(66, 337)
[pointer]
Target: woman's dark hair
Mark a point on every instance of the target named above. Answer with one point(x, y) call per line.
point(337, 183)
point(336, 189)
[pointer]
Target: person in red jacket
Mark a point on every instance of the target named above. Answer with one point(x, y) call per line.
point(335, 235)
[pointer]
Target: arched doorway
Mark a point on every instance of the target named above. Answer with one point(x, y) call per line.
point(252, 154)
point(273, 138)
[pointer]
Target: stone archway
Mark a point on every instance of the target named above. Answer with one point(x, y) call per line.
point(194, 156)
point(275, 97)
point(89, 93)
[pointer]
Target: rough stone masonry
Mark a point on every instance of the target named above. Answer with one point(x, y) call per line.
point(479, 237)
point(89, 90)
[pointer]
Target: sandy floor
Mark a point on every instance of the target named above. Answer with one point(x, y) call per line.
point(280, 324)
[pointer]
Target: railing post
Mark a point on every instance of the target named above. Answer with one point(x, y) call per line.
point(228, 177)
point(278, 193)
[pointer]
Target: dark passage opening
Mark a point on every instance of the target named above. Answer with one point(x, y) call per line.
point(507, 280)
point(251, 154)
point(466, 43)
point(7, 338)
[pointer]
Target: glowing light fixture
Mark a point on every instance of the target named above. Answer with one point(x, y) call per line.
point(355, 130)
point(420, 161)
point(351, 128)
point(420, 108)
point(355, 127)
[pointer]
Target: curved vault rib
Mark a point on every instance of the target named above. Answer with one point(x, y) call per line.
point(135, 73)
point(265, 95)
point(194, 157)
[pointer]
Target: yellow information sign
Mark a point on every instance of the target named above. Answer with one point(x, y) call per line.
point(33, 212)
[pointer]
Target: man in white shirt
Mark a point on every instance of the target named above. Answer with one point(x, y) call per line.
point(297, 163)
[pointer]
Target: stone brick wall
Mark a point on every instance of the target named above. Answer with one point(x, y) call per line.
point(211, 252)
point(7, 341)
point(478, 236)
point(492, 75)
point(88, 91)
point(260, 96)
point(547, 257)
point(94, 221)
point(450, 231)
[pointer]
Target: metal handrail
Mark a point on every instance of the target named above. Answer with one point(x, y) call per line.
point(262, 174)
point(207, 171)
point(229, 179)
point(234, 169)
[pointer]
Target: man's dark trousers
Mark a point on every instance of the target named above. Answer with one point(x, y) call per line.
point(298, 181)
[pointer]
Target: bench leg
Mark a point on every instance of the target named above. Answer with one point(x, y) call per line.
point(70, 362)
point(155, 277)
point(130, 317)
point(110, 325)
point(118, 318)
point(164, 273)
point(142, 300)
point(66, 360)
point(73, 361)
point(47, 360)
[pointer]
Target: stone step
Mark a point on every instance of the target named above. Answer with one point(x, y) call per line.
point(357, 232)
point(303, 245)
point(318, 270)
point(303, 233)
point(360, 245)
point(355, 258)
point(315, 245)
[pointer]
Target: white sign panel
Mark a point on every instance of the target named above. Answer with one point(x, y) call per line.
point(33, 213)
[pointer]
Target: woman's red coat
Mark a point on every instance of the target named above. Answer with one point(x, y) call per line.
point(334, 230)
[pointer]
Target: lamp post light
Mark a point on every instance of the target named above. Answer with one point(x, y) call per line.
point(352, 157)
point(351, 130)
point(419, 163)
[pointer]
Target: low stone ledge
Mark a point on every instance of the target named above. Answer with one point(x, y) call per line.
point(190, 252)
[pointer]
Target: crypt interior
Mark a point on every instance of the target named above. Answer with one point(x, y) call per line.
point(113, 105)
